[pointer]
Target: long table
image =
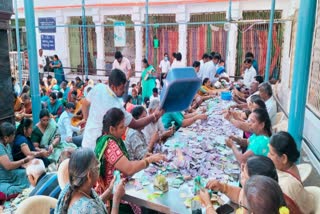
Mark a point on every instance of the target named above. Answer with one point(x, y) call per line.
point(198, 150)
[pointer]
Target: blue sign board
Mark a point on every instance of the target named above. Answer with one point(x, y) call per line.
point(6, 6)
point(48, 42)
point(47, 25)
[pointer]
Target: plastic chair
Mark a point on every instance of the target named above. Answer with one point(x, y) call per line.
point(305, 170)
point(63, 174)
point(279, 117)
point(282, 126)
point(315, 191)
point(39, 204)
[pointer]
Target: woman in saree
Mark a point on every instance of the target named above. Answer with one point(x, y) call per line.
point(22, 145)
point(55, 107)
point(284, 153)
point(58, 69)
point(46, 135)
point(206, 88)
point(12, 177)
point(113, 155)
point(148, 79)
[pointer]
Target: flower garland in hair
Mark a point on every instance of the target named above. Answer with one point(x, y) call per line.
point(284, 210)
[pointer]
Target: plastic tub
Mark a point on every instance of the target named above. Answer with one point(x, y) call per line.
point(179, 89)
point(226, 95)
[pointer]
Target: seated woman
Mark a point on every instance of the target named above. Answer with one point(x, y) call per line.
point(22, 145)
point(255, 165)
point(113, 155)
point(55, 107)
point(136, 99)
point(180, 120)
point(12, 179)
point(79, 196)
point(128, 104)
point(156, 127)
point(27, 106)
point(206, 88)
point(46, 135)
point(260, 125)
point(261, 195)
point(284, 154)
point(137, 145)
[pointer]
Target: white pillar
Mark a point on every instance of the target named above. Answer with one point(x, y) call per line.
point(231, 54)
point(61, 40)
point(138, 42)
point(182, 17)
point(232, 50)
point(100, 61)
point(137, 17)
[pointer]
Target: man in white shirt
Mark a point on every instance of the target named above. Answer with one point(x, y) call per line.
point(42, 63)
point(66, 129)
point(165, 67)
point(178, 62)
point(102, 98)
point(155, 94)
point(122, 63)
point(209, 71)
point(265, 92)
point(249, 73)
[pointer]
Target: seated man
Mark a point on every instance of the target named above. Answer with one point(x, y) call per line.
point(249, 73)
point(155, 94)
point(65, 127)
point(43, 183)
point(265, 92)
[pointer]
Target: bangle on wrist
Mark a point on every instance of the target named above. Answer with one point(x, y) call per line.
point(146, 162)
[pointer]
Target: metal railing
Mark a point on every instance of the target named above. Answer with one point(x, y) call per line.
point(304, 138)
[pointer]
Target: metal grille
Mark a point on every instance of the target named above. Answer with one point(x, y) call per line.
point(204, 38)
point(253, 37)
point(314, 86)
point(167, 35)
point(76, 45)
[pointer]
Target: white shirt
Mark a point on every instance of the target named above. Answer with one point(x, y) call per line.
point(177, 64)
point(272, 109)
point(165, 66)
point(102, 98)
point(65, 128)
point(209, 71)
point(153, 97)
point(248, 76)
point(124, 66)
point(41, 61)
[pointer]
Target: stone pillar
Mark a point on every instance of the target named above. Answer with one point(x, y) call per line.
point(62, 49)
point(231, 54)
point(100, 63)
point(137, 17)
point(182, 17)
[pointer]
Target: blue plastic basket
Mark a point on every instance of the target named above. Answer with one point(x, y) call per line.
point(180, 86)
point(226, 95)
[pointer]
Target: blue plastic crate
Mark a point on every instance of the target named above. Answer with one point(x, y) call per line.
point(179, 89)
point(226, 95)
